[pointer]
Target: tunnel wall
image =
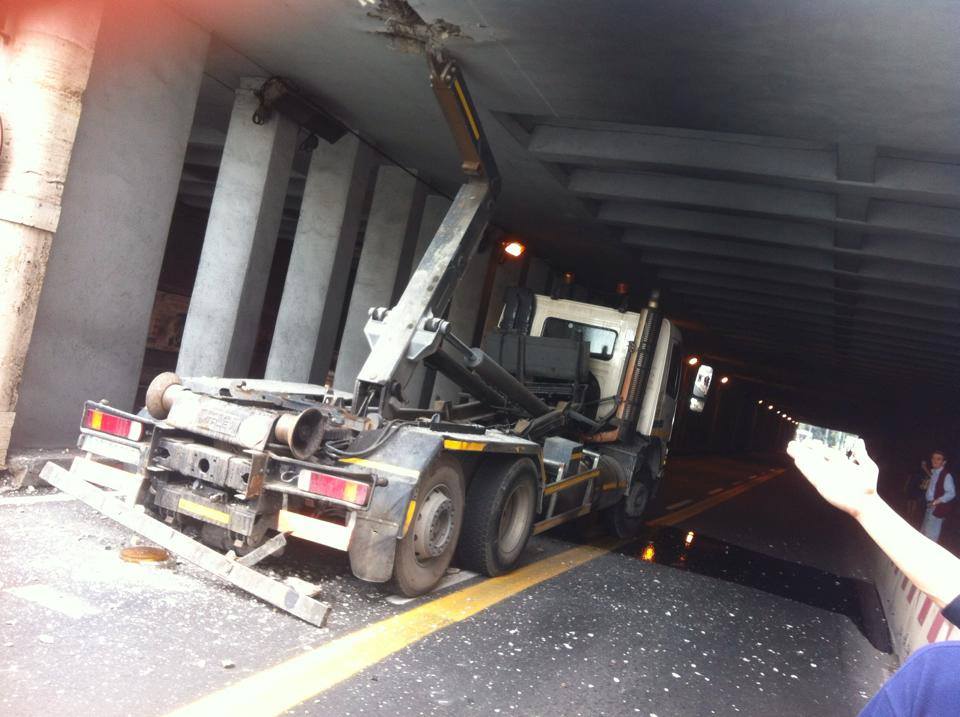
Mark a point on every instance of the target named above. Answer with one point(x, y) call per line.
point(913, 619)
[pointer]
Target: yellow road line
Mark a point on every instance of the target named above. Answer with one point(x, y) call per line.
point(284, 686)
point(681, 515)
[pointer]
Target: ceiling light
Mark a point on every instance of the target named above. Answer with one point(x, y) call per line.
point(514, 249)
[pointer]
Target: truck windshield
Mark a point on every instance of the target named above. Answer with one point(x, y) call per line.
point(601, 340)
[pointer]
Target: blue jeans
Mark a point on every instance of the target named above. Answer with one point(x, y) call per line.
point(931, 525)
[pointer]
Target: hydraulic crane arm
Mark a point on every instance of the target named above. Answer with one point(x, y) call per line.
point(403, 336)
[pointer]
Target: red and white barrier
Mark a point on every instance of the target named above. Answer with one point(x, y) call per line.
point(913, 618)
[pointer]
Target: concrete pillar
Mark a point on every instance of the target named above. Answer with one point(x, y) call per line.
point(227, 298)
point(45, 62)
point(539, 275)
point(384, 266)
point(94, 310)
point(316, 284)
point(463, 316)
point(506, 275)
point(434, 210)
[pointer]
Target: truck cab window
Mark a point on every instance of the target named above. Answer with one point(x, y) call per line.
point(601, 340)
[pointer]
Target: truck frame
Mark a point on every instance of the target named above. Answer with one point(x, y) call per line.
point(567, 409)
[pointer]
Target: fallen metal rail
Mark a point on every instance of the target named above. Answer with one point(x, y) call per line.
point(234, 571)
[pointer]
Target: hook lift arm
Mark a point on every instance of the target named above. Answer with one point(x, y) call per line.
point(401, 337)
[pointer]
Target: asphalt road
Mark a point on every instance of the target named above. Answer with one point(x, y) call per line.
point(757, 605)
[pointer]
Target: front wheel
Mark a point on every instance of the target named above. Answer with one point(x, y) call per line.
point(499, 518)
point(424, 553)
point(624, 519)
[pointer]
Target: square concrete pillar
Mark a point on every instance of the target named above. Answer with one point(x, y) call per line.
point(245, 213)
point(539, 275)
point(417, 390)
point(384, 266)
point(506, 275)
point(94, 309)
point(463, 315)
point(316, 284)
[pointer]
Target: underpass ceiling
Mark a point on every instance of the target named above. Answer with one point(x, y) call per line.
point(787, 172)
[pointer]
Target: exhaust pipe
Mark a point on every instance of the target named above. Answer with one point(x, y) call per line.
point(251, 427)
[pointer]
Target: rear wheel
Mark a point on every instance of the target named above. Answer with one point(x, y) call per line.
point(499, 516)
point(424, 553)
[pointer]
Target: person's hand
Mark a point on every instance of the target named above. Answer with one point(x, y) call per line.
point(849, 484)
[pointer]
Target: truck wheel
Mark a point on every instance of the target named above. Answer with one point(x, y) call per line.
point(424, 553)
point(624, 519)
point(499, 516)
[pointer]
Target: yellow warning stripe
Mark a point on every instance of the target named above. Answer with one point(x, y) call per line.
point(203, 511)
point(284, 686)
point(453, 445)
point(386, 467)
point(564, 484)
point(466, 109)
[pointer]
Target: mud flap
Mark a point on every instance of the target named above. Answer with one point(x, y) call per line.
point(271, 591)
point(372, 550)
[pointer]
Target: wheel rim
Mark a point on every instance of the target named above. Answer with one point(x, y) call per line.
point(513, 518)
point(638, 500)
point(434, 524)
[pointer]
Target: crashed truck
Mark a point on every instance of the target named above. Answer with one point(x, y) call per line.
point(566, 409)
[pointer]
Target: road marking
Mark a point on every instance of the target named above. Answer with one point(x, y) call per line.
point(284, 686)
point(54, 599)
point(456, 578)
point(31, 499)
point(708, 503)
point(682, 503)
point(288, 684)
point(714, 491)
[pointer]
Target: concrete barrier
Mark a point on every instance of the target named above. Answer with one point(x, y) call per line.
point(913, 618)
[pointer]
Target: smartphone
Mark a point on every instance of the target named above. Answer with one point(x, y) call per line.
point(840, 440)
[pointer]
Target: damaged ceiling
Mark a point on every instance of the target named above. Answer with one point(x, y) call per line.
point(787, 172)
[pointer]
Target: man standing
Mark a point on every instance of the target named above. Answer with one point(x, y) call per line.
point(941, 492)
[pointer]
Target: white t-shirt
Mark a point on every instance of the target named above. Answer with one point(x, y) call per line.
point(949, 490)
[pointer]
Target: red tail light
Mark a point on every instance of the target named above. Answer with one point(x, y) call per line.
point(330, 486)
point(97, 420)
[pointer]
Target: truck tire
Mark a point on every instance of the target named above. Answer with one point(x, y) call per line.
point(624, 519)
point(501, 505)
point(424, 553)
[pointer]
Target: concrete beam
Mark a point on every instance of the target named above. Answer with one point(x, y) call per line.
point(707, 193)
point(744, 271)
point(94, 312)
point(758, 285)
point(385, 258)
point(850, 312)
point(947, 278)
point(771, 161)
point(323, 247)
point(837, 331)
point(227, 299)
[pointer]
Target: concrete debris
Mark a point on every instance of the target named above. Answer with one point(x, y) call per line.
point(228, 664)
point(409, 32)
point(46, 639)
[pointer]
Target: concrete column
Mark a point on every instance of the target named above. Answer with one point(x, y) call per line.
point(507, 275)
point(46, 65)
point(245, 213)
point(384, 266)
point(434, 210)
point(94, 310)
point(463, 316)
point(539, 275)
point(313, 293)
